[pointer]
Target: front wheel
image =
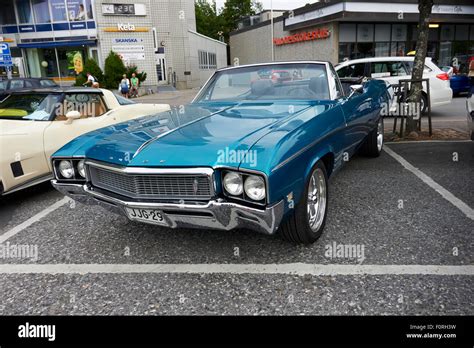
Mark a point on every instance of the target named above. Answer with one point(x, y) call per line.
point(306, 223)
point(373, 144)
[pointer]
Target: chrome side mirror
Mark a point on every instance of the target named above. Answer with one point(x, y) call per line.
point(356, 89)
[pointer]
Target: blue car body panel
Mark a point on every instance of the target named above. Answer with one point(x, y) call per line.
point(460, 83)
point(287, 137)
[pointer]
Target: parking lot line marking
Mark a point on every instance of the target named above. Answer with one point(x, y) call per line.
point(17, 229)
point(468, 211)
point(284, 269)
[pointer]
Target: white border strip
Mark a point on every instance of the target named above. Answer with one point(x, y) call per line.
point(284, 269)
point(468, 211)
point(17, 229)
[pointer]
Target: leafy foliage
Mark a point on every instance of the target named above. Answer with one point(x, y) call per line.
point(113, 70)
point(210, 22)
point(133, 69)
point(92, 67)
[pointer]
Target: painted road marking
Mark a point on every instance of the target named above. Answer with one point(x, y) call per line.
point(288, 269)
point(467, 210)
point(17, 229)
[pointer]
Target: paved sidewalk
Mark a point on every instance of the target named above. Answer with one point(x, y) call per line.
point(174, 98)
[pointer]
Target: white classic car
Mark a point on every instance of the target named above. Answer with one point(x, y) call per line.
point(36, 123)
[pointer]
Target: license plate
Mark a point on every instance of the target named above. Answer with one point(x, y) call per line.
point(147, 215)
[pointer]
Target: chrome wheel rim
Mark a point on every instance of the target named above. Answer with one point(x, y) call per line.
point(380, 135)
point(317, 198)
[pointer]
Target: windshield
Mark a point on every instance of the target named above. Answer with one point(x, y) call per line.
point(268, 82)
point(38, 107)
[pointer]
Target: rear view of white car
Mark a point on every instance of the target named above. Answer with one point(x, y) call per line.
point(394, 69)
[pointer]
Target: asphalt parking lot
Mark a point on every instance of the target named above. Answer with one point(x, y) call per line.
point(410, 211)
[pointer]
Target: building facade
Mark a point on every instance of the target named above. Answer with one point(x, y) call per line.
point(52, 38)
point(345, 29)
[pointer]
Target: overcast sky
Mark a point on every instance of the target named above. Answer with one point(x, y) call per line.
point(277, 4)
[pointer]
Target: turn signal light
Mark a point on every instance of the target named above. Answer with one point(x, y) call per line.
point(443, 76)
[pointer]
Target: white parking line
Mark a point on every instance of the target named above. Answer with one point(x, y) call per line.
point(468, 211)
point(288, 269)
point(17, 229)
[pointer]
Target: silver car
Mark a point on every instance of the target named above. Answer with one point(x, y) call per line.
point(470, 115)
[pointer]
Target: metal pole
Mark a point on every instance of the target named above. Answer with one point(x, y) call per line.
point(57, 64)
point(272, 30)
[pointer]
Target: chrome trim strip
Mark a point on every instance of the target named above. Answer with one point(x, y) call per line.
point(29, 183)
point(216, 213)
point(145, 170)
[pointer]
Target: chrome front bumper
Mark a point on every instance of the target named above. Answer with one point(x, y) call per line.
point(215, 214)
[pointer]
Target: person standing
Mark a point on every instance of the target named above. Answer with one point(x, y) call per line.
point(124, 86)
point(471, 74)
point(135, 84)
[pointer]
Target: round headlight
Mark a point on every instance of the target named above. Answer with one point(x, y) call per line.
point(81, 169)
point(255, 187)
point(233, 183)
point(66, 169)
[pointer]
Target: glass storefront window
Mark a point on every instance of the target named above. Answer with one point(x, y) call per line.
point(447, 32)
point(41, 11)
point(399, 32)
point(346, 50)
point(58, 10)
point(90, 13)
point(24, 11)
point(462, 32)
point(382, 49)
point(365, 33)
point(397, 49)
point(7, 15)
point(382, 32)
point(347, 33)
point(76, 10)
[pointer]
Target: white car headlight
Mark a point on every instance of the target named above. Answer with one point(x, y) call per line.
point(255, 187)
point(66, 169)
point(233, 183)
point(81, 168)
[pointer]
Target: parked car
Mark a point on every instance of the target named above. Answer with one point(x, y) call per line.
point(470, 115)
point(18, 84)
point(393, 69)
point(36, 123)
point(246, 153)
point(459, 83)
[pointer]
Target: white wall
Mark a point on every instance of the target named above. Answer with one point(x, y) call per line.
point(200, 42)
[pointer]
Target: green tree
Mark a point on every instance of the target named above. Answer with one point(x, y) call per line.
point(213, 23)
point(132, 69)
point(113, 70)
point(92, 67)
point(234, 10)
point(207, 21)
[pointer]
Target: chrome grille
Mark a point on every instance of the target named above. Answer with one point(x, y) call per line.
point(152, 186)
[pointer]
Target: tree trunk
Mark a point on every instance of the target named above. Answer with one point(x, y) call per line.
point(424, 7)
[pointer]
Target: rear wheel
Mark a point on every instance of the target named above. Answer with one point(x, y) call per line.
point(306, 223)
point(373, 144)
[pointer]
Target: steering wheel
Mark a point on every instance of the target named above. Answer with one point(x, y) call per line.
point(298, 91)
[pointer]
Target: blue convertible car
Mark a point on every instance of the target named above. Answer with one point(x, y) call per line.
point(251, 151)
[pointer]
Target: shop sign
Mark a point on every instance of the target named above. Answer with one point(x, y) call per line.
point(126, 27)
point(318, 34)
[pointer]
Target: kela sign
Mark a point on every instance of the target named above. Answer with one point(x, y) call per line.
point(318, 34)
point(126, 27)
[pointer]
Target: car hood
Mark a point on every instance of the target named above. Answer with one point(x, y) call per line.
point(193, 135)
